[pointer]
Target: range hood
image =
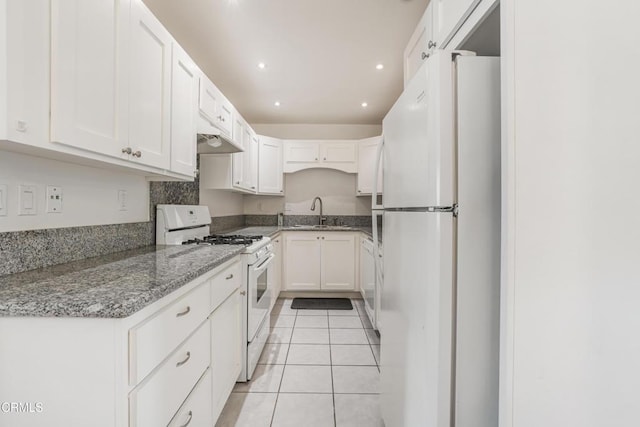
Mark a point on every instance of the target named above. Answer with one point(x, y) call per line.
point(211, 140)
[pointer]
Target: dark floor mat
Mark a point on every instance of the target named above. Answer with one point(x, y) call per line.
point(321, 304)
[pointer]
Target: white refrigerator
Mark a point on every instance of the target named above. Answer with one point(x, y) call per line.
point(440, 300)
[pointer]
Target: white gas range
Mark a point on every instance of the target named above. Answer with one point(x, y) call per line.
point(189, 225)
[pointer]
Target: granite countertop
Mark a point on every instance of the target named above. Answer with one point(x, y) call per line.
point(111, 286)
point(270, 231)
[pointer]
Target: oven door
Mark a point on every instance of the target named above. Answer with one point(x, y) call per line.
point(259, 287)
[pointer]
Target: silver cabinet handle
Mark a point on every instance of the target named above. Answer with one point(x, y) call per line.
point(190, 414)
point(282, 191)
point(324, 158)
point(127, 150)
point(431, 44)
point(185, 360)
point(253, 188)
point(424, 56)
point(318, 238)
point(323, 238)
point(229, 277)
point(185, 312)
point(137, 154)
point(243, 292)
point(316, 158)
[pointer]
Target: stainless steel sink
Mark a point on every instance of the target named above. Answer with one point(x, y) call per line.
point(323, 227)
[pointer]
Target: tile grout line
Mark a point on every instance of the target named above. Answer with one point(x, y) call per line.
point(273, 414)
point(333, 390)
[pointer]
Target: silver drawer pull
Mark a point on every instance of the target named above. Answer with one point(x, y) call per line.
point(190, 414)
point(185, 312)
point(229, 277)
point(185, 360)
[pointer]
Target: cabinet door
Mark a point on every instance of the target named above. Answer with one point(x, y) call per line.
point(249, 158)
point(367, 151)
point(419, 48)
point(277, 269)
point(449, 15)
point(208, 99)
point(302, 261)
point(89, 74)
point(184, 101)
point(338, 261)
point(339, 152)
point(270, 166)
point(226, 344)
point(149, 88)
point(238, 158)
point(300, 155)
point(224, 116)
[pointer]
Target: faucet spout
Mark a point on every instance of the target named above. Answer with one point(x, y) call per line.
point(321, 219)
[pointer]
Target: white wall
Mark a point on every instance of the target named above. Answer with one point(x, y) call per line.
point(337, 190)
point(90, 195)
point(571, 278)
point(222, 203)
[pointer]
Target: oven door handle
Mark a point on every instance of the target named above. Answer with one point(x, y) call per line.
point(264, 264)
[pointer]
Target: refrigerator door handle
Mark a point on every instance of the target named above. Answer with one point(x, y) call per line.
point(376, 171)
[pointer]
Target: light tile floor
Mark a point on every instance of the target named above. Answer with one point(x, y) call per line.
point(319, 368)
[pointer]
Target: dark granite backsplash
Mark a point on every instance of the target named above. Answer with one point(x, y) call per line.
point(223, 223)
point(350, 220)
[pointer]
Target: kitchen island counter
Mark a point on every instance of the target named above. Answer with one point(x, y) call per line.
point(110, 286)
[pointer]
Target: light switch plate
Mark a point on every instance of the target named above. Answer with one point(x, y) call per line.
point(27, 195)
point(54, 199)
point(3, 200)
point(122, 200)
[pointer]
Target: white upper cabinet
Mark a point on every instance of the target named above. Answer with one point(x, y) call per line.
point(89, 74)
point(301, 153)
point(149, 88)
point(238, 158)
point(449, 15)
point(270, 166)
point(367, 162)
point(184, 101)
point(306, 154)
point(250, 151)
point(215, 108)
point(420, 45)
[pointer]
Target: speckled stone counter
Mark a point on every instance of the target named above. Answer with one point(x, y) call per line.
point(271, 231)
point(111, 286)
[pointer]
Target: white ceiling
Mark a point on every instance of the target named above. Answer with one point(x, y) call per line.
point(320, 55)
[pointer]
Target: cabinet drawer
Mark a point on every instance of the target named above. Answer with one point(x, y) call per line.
point(151, 341)
point(196, 411)
point(156, 401)
point(224, 283)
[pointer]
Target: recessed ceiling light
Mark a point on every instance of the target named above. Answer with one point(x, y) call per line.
point(277, 103)
point(261, 65)
point(364, 105)
point(379, 67)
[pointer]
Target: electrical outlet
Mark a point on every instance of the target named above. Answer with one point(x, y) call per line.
point(27, 195)
point(54, 199)
point(3, 200)
point(122, 200)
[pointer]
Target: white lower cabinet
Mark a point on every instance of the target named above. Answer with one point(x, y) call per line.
point(155, 401)
point(196, 410)
point(302, 263)
point(226, 345)
point(172, 363)
point(277, 268)
point(320, 261)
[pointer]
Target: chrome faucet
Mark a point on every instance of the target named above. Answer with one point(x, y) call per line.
point(321, 219)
